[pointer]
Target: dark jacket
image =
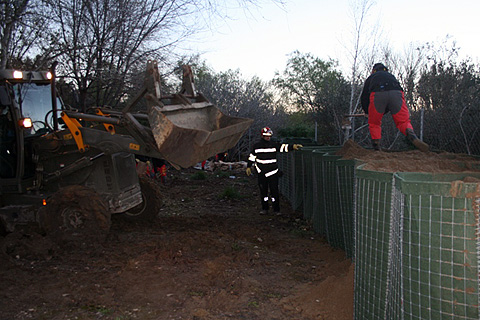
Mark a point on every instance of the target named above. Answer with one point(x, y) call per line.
point(378, 81)
point(264, 156)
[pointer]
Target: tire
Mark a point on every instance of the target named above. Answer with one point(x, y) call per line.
point(152, 201)
point(76, 213)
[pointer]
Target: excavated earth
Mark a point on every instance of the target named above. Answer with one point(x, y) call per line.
point(410, 161)
point(208, 255)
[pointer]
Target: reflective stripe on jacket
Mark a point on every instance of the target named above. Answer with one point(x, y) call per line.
point(264, 156)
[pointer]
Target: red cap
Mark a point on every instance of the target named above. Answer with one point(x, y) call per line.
point(267, 132)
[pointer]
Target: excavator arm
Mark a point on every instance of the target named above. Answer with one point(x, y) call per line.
point(182, 128)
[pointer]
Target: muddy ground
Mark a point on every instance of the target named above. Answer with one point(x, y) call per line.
point(209, 255)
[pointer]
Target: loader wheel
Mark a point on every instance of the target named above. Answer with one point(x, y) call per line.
point(76, 213)
point(151, 204)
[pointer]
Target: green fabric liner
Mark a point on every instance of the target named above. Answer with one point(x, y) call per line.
point(346, 194)
point(291, 185)
point(308, 179)
point(318, 199)
point(333, 217)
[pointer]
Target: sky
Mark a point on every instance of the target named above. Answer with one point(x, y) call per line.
point(259, 43)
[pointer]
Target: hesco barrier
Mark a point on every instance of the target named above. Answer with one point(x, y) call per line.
point(295, 174)
point(307, 182)
point(439, 247)
point(372, 240)
point(310, 184)
point(345, 170)
point(417, 246)
point(415, 237)
point(290, 184)
point(330, 209)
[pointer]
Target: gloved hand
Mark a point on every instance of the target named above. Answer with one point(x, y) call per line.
point(297, 146)
point(248, 171)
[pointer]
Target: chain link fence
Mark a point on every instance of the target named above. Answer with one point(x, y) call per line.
point(448, 129)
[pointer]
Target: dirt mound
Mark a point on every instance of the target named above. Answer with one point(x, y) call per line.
point(410, 161)
point(351, 150)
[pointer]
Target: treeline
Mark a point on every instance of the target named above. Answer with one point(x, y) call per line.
point(311, 98)
point(102, 47)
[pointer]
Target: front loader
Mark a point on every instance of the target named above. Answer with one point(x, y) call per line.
point(69, 171)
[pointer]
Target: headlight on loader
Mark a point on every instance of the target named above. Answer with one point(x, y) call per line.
point(25, 123)
point(17, 74)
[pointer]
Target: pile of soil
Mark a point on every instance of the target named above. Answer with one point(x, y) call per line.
point(410, 161)
point(208, 255)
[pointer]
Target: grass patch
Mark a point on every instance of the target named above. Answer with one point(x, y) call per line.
point(196, 293)
point(230, 193)
point(236, 246)
point(223, 174)
point(199, 175)
point(98, 309)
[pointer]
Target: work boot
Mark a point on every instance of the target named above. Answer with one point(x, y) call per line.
point(419, 144)
point(376, 144)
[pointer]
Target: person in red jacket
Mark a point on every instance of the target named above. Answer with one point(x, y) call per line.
point(382, 93)
point(264, 159)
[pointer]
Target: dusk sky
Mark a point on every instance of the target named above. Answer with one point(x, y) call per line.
point(260, 45)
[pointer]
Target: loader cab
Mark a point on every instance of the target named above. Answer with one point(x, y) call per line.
point(25, 106)
point(8, 136)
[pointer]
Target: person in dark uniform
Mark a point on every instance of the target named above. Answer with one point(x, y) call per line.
point(382, 93)
point(264, 160)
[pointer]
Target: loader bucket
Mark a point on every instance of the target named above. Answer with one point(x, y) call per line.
point(192, 131)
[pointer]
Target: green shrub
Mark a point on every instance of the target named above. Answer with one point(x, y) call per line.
point(230, 193)
point(223, 174)
point(199, 175)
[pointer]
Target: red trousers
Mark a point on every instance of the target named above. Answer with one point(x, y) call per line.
point(382, 102)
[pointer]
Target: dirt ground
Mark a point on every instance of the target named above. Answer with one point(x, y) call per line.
point(209, 255)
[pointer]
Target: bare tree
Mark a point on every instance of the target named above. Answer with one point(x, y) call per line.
point(361, 54)
point(360, 10)
point(237, 96)
point(100, 42)
point(101, 45)
point(20, 27)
